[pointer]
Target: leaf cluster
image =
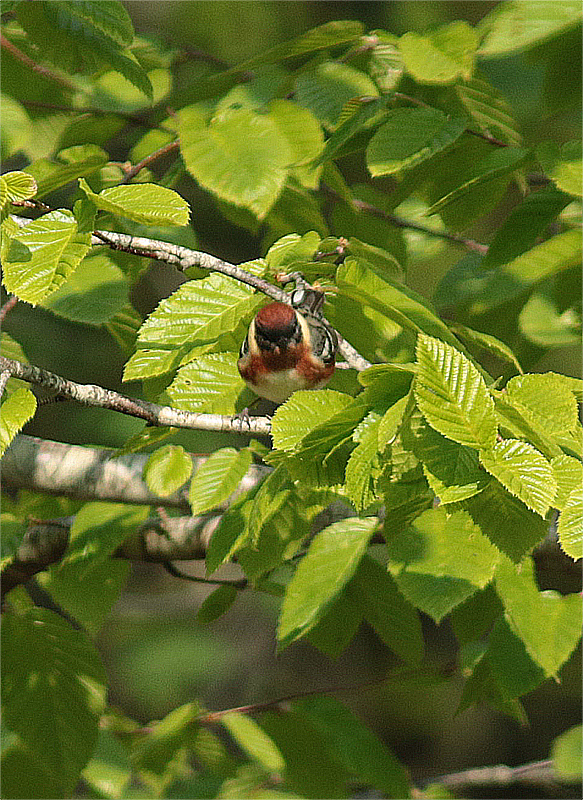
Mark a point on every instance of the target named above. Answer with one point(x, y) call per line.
point(423, 486)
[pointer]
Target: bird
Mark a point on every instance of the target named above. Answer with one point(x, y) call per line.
point(287, 349)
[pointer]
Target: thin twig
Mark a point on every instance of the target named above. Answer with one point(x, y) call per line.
point(135, 119)
point(400, 222)
point(243, 583)
point(145, 162)
point(253, 708)
point(7, 307)
point(92, 395)
point(487, 137)
point(27, 61)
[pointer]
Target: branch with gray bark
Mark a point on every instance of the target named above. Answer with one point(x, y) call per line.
point(166, 416)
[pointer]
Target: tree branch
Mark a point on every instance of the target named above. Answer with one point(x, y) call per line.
point(159, 541)
point(131, 172)
point(153, 414)
point(28, 62)
point(87, 473)
point(7, 307)
point(536, 773)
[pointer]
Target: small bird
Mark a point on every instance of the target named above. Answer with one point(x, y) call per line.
point(286, 350)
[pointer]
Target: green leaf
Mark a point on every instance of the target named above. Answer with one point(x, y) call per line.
point(16, 186)
point(408, 137)
point(160, 756)
point(146, 203)
point(216, 604)
point(441, 56)
point(331, 34)
point(109, 771)
point(566, 754)
point(15, 125)
point(549, 624)
point(304, 411)
point(39, 257)
point(327, 87)
point(363, 466)
point(82, 37)
point(568, 474)
point(337, 627)
point(15, 412)
point(167, 469)
point(499, 163)
point(217, 478)
point(240, 156)
point(488, 109)
point(545, 399)
point(452, 395)
point(254, 741)
point(355, 746)
point(87, 568)
point(523, 471)
point(521, 24)
point(484, 341)
point(452, 470)
point(386, 610)
point(53, 692)
point(524, 225)
point(358, 281)
point(305, 138)
point(385, 65)
point(330, 562)
point(209, 384)
point(231, 533)
point(505, 520)
point(441, 560)
point(562, 164)
point(547, 324)
point(513, 669)
point(570, 528)
point(362, 113)
point(273, 493)
point(96, 292)
point(70, 164)
point(310, 768)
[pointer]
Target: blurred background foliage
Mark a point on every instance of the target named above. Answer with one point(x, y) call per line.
point(157, 656)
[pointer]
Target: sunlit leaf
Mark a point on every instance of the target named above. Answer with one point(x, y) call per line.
point(167, 469)
point(440, 56)
point(145, 202)
point(408, 137)
point(330, 562)
point(452, 395)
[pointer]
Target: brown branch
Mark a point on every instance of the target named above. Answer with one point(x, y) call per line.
point(7, 307)
point(27, 61)
point(153, 414)
point(243, 583)
point(254, 708)
point(400, 222)
point(145, 162)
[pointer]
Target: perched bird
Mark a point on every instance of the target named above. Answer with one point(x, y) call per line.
point(285, 350)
